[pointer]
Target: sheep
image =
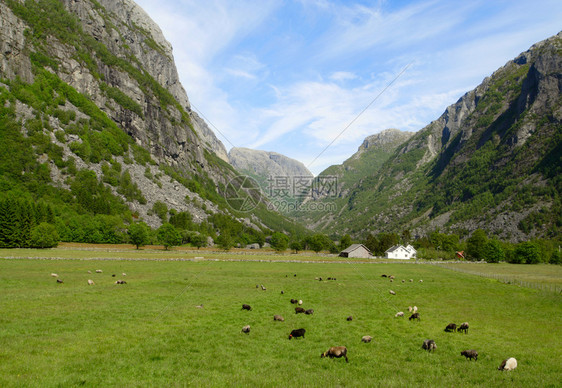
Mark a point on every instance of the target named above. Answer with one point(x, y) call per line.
point(263, 287)
point(451, 327)
point(383, 276)
point(509, 364)
point(257, 286)
point(391, 280)
point(124, 274)
point(421, 281)
point(299, 310)
point(91, 282)
point(89, 271)
point(246, 329)
point(463, 327)
point(309, 312)
point(99, 271)
point(415, 309)
point(391, 277)
point(336, 351)
point(113, 275)
point(297, 333)
point(470, 354)
point(59, 281)
point(300, 302)
point(366, 339)
point(392, 292)
point(429, 345)
point(411, 280)
point(246, 307)
point(278, 318)
point(350, 318)
point(54, 275)
point(399, 314)
point(282, 292)
point(294, 301)
point(414, 316)
point(410, 309)
point(403, 281)
point(120, 282)
point(200, 306)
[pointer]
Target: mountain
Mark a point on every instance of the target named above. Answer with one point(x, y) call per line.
point(263, 165)
point(95, 122)
point(491, 161)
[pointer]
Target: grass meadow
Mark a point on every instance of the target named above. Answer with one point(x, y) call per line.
point(148, 332)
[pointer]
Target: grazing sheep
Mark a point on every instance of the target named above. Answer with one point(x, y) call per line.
point(89, 271)
point(263, 287)
point(429, 345)
point(124, 274)
point(350, 318)
point(336, 351)
point(391, 276)
point(414, 316)
point(278, 318)
point(470, 354)
point(366, 339)
point(257, 286)
point(299, 310)
point(411, 280)
point(294, 301)
point(300, 302)
point(383, 276)
point(282, 292)
point(391, 280)
point(509, 364)
point(421, 281)
point(297, 333)
point(410, 309)
point(309, 312)
point(200, 306)
point(99, 271)
point(59, 281)
point(392, 292)
point(113, 275)
point(415, 309)
point(463, 327)
point(246, 307)
point(451, 327)
point(120, 282)
point(246, 329)
point(54, 275)
point(399, 314)
point(403, 281)
point(91, 282)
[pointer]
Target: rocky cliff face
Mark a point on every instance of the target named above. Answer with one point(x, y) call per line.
point(264, 164)
point(115, 55)
point(490, 161)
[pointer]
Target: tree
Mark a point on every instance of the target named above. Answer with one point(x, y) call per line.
point(296, 246)
point(493, 252)
point(556, 258)
point(198, 240)
point(44, 235)
point(528, 252)
point(345, 241)
point(279, 241)
point(225, 241)
point(475, 244)
point(316, 243)
point(169, 236)
point(138, 234)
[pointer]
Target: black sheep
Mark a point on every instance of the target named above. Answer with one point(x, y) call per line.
point(297, 333)
point(470, 354)
point(299, 310)
point(294, 301)
point(429, 345)
point(246, 307)
point(414, 316)
point(309, 312)
point(463, 327)
point(451, 327)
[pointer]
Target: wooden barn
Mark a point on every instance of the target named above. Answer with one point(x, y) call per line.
point(357, 251)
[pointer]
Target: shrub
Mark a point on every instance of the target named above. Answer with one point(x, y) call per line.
point(44, 235)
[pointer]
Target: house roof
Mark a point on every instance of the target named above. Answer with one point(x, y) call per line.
point(353, 247)
point(394, 248)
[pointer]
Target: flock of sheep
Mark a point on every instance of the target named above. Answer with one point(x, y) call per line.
point(429, 344)
point(90, 281)
point(341, 351)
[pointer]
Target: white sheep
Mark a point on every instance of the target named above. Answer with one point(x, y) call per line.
point(90, 282)
point(366, 339)
point(392, 292)
point(415, 309)
point(509, 364)
point(300, 302)
point(246, 329)
point(54, 275)
point(99, 271)
point(399, 314)
point(410, 309)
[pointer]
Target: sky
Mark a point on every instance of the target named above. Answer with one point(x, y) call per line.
point(311, 79)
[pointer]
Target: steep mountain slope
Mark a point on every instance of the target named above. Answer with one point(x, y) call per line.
point(90, 93)
point(491, 161)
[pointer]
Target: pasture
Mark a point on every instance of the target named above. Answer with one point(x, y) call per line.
point(149, 331)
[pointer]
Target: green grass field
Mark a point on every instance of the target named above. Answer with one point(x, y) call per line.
point(148, 332)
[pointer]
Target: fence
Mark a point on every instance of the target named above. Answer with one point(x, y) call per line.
point(510, 280)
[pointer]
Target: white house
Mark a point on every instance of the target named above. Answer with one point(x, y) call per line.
point(356, 250)
point(401, 252)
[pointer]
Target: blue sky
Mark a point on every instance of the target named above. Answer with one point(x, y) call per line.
point(289, 76)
